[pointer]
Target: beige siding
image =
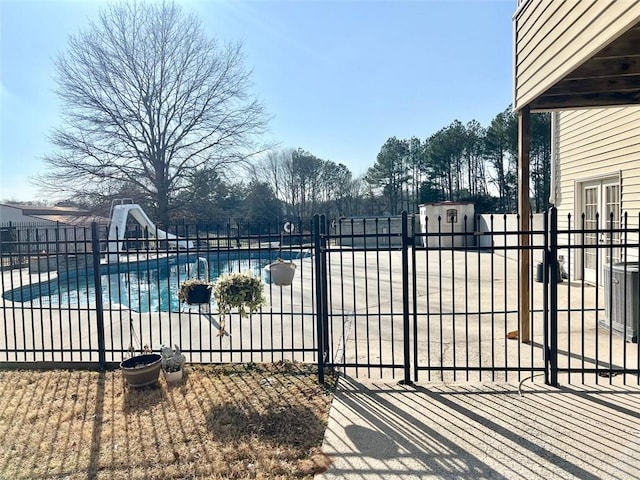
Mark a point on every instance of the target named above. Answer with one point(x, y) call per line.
point(553, 37)
point(599, 143)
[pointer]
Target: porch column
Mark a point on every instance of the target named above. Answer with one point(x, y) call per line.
point(524, 141)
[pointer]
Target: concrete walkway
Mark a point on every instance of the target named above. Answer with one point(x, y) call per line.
point(484, 431)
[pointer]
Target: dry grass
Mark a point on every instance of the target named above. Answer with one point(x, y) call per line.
point(224, 421)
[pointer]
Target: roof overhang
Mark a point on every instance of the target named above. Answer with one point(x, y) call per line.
point(608, 78)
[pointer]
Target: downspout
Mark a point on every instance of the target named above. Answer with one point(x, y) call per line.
point(553, 187)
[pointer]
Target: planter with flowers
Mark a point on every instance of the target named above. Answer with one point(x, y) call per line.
point(195, 291)
point(241, 292)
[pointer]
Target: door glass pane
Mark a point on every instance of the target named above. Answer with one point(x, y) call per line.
point(612, 221)
point(590, 223)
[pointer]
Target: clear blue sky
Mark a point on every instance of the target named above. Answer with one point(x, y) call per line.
point(338, 77)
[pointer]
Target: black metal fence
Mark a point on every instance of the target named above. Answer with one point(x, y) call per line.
point(443, 304)
point(381, 297)
point(71, 295)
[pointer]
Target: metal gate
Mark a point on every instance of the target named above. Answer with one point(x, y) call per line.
point(442, 305)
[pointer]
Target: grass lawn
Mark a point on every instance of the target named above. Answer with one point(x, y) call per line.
point(223, 421)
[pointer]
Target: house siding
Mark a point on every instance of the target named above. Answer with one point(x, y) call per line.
point(598, 144)
point(553, 37)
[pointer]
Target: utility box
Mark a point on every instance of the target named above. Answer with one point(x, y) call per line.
point(621, 299)
point(448, 224)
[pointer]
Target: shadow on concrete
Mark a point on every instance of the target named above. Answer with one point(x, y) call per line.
point(481, 431)
point(372, 443)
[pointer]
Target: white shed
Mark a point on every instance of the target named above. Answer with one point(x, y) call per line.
point(446, 224)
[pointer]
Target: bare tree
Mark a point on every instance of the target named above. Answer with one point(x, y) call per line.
point(269, 169)
point(147, 98)
point(306, 184)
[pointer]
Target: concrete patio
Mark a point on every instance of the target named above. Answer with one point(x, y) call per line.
point(484, 431)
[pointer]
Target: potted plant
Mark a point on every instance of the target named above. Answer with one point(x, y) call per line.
point(241, 292)
point(280, 273)
point(195, 291)
point(141, 370)
point(172, 364)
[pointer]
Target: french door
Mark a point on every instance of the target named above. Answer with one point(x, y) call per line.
point(601, 210)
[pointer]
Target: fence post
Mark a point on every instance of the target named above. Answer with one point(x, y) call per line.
point(97, 283)
point(552, 273)
point(319, 295)
point(546, 260)
point(414, 291)
point(324, 230)
point(405, 301)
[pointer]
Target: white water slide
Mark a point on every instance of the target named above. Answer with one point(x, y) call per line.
point(118, 226)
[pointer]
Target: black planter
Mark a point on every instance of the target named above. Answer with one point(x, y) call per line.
point(198, 294)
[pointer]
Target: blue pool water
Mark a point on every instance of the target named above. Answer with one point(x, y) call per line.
point(144, 286)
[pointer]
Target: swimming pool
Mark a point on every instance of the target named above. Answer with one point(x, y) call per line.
point(144, 286)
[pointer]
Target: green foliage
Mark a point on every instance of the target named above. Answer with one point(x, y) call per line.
point(429, 192)
point(482, 203)
point(208, 197)
point(540, 160)
point(390, 174)
point(260, 207)
point(241, 291)
point(501, 155)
